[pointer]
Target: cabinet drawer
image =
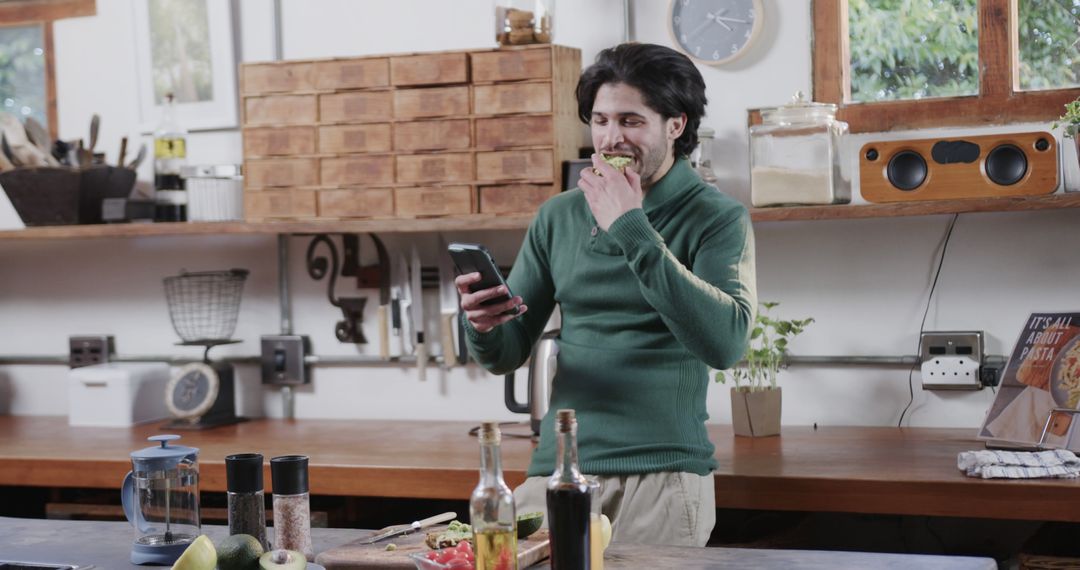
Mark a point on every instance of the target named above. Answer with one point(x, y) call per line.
point(276, 77)
point(278, 141)
point(515, 165)
point(265, 204)
point(352, 73)
point(447, 134)
point(431, 102)
point(502, 132)
point(511, 65)
point(280, 110)
point(356, 203)
point(435, 168)
point(358, 170)
point(514, 198)
point(356, 107)
point(512, 98)
point(355, 138)
point(434, 201)
point(429, 69)
point(281, 172)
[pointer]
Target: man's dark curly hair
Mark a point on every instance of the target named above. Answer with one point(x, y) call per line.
point(669, 82)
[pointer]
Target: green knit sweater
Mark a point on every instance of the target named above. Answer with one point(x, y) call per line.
point(646, 307)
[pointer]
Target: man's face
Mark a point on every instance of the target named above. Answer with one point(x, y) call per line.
point(623, 125)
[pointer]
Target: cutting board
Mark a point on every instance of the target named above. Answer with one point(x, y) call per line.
point(357, 556)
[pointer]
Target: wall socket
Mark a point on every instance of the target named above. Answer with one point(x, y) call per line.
point(951, 360)
point(283, 359)
point(90, 349)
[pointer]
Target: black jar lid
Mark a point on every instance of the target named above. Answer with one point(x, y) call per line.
point(289, 474)
point(244, 472)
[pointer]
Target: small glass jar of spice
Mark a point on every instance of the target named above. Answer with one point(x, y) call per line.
point(292, 504)
point(247, 507)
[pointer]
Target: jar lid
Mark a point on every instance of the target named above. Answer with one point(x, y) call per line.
point(163, 456)
point(244, 472)
point(799, 111)
point(289, 474)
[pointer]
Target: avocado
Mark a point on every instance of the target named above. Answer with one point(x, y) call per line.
point(617, 162)
point(281, 559)
point(239, 552)
point(529, 523)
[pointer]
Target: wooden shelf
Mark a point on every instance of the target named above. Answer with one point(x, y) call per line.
point(521, 221)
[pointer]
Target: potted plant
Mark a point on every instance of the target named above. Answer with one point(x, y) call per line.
point(1070, 122)
point(755, 397)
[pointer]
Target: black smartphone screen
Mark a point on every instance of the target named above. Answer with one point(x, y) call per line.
point(475, 258)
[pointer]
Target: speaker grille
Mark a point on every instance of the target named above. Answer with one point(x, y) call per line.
point(906, 170)
point(1006, 165)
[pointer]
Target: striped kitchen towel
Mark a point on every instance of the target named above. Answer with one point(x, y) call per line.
point(991, 464)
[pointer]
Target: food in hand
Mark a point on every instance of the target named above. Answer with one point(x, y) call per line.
point(458, 557)
point(529, 523)
point(282, 559)
point(239, 552)
point(199, 555)
point(455, 533)
point(616, 161)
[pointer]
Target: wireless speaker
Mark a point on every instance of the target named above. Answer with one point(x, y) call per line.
point(985, 166)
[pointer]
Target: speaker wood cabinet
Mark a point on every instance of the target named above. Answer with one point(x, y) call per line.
point(950, 168)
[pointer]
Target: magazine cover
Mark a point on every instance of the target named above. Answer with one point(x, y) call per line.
point(1043, 373)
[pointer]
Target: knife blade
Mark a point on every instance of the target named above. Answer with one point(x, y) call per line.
point(384, 297)
point(417, 313)
point(407, 528)
point(405, 302)
point(448, 305)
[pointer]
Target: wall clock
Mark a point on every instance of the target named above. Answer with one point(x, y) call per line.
point(714, 32)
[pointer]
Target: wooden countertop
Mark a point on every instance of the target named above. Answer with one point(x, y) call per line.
point(842, 469)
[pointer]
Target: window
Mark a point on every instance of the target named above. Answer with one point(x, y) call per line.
point(898, 64)
point(27, 85)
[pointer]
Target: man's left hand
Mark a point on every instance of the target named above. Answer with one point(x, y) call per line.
point(610, 193)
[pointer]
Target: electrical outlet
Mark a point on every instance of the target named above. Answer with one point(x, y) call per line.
point(283, 359)
point(951, 360)
point(90, 349)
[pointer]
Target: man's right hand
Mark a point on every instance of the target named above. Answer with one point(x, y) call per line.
point(483, 318)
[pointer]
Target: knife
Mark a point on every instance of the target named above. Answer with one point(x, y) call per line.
point(448, 304)
point(407, 528)
point(417, 314)
point(405, 301)
point(384, 297)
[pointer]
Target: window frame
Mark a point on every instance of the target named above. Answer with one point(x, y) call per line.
point(25, 13)
point(1000, 101)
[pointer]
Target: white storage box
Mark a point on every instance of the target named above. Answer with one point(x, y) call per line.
point(119, 394)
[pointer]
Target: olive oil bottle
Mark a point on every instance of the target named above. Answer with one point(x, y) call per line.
point(491, 508)
point(568, 501)
point(170, 156)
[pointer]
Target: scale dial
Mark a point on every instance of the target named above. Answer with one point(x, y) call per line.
point(714, 32)
point(192, 390)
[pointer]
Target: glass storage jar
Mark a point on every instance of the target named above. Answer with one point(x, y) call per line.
point(795, 156)
point(521, 22)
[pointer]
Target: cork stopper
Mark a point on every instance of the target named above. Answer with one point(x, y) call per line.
point(489, 432)
point(565, 421)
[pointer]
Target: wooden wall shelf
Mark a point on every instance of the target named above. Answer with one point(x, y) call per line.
point(521, 221)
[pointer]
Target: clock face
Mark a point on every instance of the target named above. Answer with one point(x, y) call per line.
point(192, 390)
point(714, 31)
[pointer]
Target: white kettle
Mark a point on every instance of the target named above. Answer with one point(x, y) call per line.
point(542, 364)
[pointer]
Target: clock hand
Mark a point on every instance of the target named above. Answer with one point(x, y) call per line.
point(736, 20)
point(709, 18)
point(719, 21)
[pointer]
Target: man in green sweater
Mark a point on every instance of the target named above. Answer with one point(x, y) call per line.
point(653, 271)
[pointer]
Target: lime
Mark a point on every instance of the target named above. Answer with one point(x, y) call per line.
point(239, 552)
point(529, 523)
point(199, 555)
point(605, 531)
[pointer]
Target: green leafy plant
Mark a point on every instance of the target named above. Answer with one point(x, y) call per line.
point(1070, 120)
point(766, 353)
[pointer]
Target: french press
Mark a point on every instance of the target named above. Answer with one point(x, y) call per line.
point(161, 500)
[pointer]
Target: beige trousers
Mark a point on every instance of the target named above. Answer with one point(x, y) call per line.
point(676, 509)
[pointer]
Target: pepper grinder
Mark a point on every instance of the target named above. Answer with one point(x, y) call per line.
point(247, 507)
point(292, 505)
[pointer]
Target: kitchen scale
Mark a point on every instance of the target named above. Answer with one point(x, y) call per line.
point(203, 307)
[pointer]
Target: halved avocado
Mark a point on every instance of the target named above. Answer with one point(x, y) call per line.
point(281, 559)
point(529, 523)
point(617, 162)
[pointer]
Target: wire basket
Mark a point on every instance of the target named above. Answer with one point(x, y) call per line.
point(204, 305)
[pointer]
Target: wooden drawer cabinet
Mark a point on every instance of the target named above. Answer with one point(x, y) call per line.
point(511, 65)
point(354, 138)
point(514, 198)
point(431, 102)
point(277, 204)
point(444, 134)
point(280, 110)
point(358, 170)
point(356, 203)
point(276, 77)
point(279, 141)
point(430, 69)
point(513, 165)
point(356, 107)
point(434, 201)
point(352, 73)
point(501, 132)
point(435, 168)
point(281, 172)
point(506, 98)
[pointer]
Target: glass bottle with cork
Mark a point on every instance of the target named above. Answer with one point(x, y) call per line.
point(568, 501)
point(701, 157)
point(292, 504)
point(491, 507)
point(247, 506)
point(170, 155)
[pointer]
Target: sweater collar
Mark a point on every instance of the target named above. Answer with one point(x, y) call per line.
point(679, 179)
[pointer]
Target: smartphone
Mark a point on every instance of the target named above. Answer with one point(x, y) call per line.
point(475, 258)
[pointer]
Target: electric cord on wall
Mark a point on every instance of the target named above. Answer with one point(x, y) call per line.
point(926, 311)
